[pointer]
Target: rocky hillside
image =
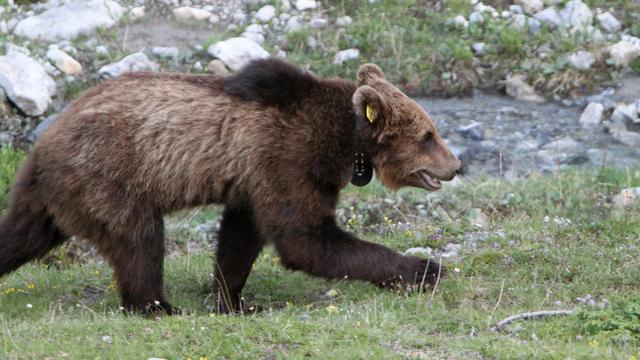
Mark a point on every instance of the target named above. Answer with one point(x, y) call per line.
point(533, 50)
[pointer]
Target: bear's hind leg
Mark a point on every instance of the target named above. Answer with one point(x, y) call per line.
point(238, 247)
point(137, 258)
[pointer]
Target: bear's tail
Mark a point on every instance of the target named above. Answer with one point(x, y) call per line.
point(27, 231)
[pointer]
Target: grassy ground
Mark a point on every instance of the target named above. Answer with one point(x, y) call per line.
point(522, 262)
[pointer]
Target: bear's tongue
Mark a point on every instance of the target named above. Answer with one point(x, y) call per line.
point(430, 181)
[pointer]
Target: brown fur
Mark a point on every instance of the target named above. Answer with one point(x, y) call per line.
point(273, 143)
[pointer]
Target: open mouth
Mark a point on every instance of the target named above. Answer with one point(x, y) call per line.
point(428, 181)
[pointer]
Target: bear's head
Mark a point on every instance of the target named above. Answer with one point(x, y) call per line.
point(402, 140)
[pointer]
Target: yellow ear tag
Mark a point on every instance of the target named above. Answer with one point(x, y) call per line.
point(371, 114)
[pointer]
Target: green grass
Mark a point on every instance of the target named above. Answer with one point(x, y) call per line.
point(10, 160)
point(535, 265)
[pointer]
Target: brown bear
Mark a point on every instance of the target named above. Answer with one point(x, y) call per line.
point(273, 143)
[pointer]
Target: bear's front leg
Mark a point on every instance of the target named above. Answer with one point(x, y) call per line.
point(327, 251)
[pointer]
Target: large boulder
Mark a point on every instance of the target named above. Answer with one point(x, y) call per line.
point(237, 52)
point(69, 20)
point(26, 83)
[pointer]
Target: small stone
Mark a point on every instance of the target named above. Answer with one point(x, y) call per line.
point(265, 13)
point(107, 339)
point(63, 61)
point(217, 67)
point(165, 52)
point(189, 13)
point(516, 9)
point(582, 60)
point(293, 24)
point(478, 218)
point(478, 48)
point(550, 17)
point(518, 88)
point(628, 138)
point(302, 5)
point(318, 23)
point(576, 14)
point(460, 22)
point(346, 55)
point(519, 21)
point(237, 52)
point(4, 28)
point(198, 66)
point(137, 12)
point(565, 144)
point(624, 113)
point(344, 21)
point(608, 22)
point(473, 131)
point(102, 50)
point(424, 251)
point(626, 198)
point(214, 19)
point(134, 62)
point(476, 18)
point(239, 17)
point(592, 114)
point(530, 6)
point(623, 53)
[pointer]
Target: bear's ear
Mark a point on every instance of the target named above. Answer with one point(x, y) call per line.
point(368, 103)
point(368, 73)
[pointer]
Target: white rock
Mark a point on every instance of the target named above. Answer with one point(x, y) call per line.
point(582, 60)
point(476, 18)
point(285, 5)
point(608, 22)
point(517, 88)
point(519, 21)
point(11, 24)
point(478, 48)
point(188, 13)
point(344, 21)
point(478, 218)
point(576, 14)
point(293, 24)
point(592, 114)
point(318, 23)
point(564, 144)
point(281, 54)
point(4, 28)
point(628, 138)
point(626, 198)
point(237, 52)
point(137, 12)
point(549, 16)
point(63, 61)
point(346, 55)
point(239, 17)
point(102, 50)
point(516, 9)
point(26, 83)
point(623, 53)
point(530, 6)
point(631, 39)
point(166, 52)
point(134, 62)
point(424, 251)
point(303, 5)
point(625, 112)
point(9, 47)
point(266, 13)
point(70, 20)
point(460, 22)
point(214, 19)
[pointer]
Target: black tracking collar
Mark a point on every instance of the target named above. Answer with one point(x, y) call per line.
point(362, 168)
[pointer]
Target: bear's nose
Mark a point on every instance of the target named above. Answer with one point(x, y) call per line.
point(462, 168)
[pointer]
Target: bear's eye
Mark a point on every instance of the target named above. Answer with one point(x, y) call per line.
point(426, 140)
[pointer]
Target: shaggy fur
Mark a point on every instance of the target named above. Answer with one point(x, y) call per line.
point(274, 144)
